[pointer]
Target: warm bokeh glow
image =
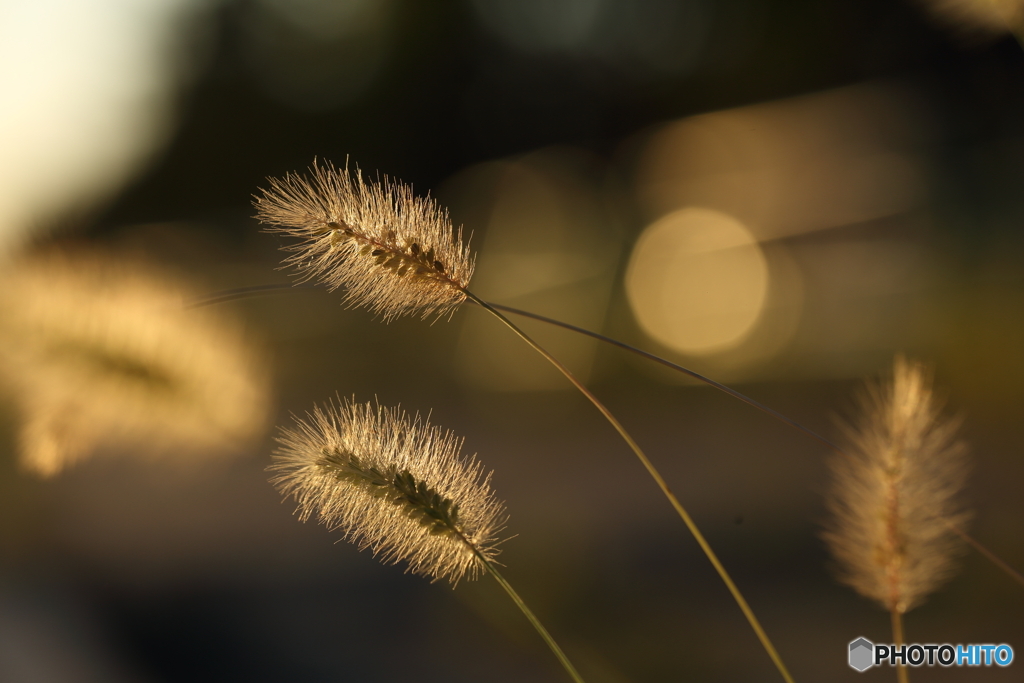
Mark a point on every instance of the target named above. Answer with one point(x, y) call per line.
point(548, 248)
point(978, 17)
point(84, 95)
point(831, 186)
point(100, 351)
point(792, 166)
point(697, 281)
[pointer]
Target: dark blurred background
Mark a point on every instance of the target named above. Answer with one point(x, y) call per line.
point(781, 195)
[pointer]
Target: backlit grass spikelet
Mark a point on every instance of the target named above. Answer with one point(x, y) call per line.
point(392, 483)
point(895, 499)
point(392, 251)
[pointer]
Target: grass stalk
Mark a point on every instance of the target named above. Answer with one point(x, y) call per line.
point(1001, 564)
point(674, 366)
point(562, 658)
point(261, 290)
point(897, 640)
point(988, 554)
point(354, 466)
point(659, 480)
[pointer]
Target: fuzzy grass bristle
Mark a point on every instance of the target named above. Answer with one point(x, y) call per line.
point(392, 483)
point(392, 251)
point(895, 499)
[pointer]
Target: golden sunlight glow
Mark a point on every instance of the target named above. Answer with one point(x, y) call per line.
point(548, 248)
point(819, 181)
point(697, 281)
point(974, 18)
point(793, 166)
point(85, 95)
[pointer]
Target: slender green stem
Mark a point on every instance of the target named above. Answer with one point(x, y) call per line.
point(566, 664)
point(662, 484)
point(897, 640)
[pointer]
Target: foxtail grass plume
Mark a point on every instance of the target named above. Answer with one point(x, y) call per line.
point(100, 351)
point(393, 252)
point(397, 254)
point(895, 499)
point(979, 17)
point(394, 484)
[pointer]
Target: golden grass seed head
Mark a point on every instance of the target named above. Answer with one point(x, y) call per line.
point(978, 18)
point(392, 251)
point(895, 498)
point(100, 350)
point(394, 484)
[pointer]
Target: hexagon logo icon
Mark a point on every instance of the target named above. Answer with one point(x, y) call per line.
point(862, 654)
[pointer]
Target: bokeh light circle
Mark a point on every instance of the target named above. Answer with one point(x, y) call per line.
point(697, 281)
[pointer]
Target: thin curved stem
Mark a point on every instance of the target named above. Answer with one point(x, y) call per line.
point(259, 290)
point(226, 295)
point(897, 640)
point(659, 480)
point(970, 540)
point(566, 664)
point(678, 368)
point(991, 556)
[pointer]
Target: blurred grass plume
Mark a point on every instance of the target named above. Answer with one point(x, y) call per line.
point(98, 350)
point(895, 500)
point(989, 18)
